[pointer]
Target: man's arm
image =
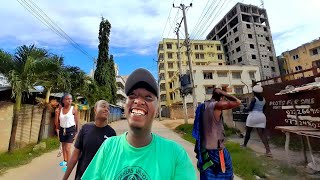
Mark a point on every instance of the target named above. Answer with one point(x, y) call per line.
point(72, 162)
point(232, 103)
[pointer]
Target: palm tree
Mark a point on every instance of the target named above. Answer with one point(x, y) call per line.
point(53, 76)
point(19, 70)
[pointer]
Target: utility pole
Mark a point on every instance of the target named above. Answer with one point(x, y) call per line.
point(93, 66)
point(187, 43)
point(185, 110)
point(159, 79)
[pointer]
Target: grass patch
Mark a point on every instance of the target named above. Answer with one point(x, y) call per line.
point(230, 131)
point(245, 163)
point(186, 131)
point(25, 155)
point(295, 141)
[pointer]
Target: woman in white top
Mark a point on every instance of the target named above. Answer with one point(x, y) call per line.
point(66, 121)
point(257, 119)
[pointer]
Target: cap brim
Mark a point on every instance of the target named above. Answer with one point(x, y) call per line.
point(141, 75)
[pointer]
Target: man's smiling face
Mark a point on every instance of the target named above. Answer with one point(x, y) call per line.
point(141, 108)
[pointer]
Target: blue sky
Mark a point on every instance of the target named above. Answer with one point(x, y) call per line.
point(138, 26)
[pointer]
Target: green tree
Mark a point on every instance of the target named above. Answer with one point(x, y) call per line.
point(22, 78)
point(102, 73)
point(77, 78)
point(53, 76)
point(112, 80)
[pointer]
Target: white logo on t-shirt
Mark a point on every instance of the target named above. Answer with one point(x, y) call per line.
point(105, 136)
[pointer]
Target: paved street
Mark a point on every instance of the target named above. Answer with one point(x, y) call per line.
point(46, 166)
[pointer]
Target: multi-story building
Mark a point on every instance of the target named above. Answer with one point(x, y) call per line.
point(120, 82)
point(246, 37)
point(301, 58)
point(233, 79)
point(209, 70)
point(204, 52)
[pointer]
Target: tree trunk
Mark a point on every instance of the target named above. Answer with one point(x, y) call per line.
point(15, 119)
point(92, 115)
point(42, 124)
point(48, 95)
point(44, 116)
point(30, 133)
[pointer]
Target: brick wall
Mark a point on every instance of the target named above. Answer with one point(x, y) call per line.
point(177, 112)
point(6, 115)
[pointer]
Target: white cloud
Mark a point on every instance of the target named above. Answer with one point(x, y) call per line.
point(119, 54)
point(137, 25)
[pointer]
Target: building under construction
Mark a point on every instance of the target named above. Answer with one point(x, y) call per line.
point(246, 37)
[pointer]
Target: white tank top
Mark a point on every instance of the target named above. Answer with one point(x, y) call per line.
point(67, 120)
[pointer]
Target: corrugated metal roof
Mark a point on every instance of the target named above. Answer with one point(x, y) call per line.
point(305, 87)
point(4, 88)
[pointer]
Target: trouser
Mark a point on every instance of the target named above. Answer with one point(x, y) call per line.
point(262, 135)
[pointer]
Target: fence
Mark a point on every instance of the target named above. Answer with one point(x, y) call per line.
point(29, 119)
point(6, 115)
point(115, 113)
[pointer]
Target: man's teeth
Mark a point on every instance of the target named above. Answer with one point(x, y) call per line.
point(137, 112)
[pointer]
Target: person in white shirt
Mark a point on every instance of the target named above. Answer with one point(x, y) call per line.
point(67, 126)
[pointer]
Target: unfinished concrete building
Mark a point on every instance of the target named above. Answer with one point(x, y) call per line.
point(246, 38)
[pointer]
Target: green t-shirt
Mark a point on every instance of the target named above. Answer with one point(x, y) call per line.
point(161, 159)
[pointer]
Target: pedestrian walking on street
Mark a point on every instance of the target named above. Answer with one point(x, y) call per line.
point(214, 161)
point(89, 140)
point(67, 124)
point(257, 119)
point(139, 153)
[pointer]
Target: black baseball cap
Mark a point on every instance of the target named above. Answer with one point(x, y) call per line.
point(141, 78)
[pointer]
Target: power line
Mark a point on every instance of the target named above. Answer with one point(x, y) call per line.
point(174, 20)
point(216, 15)
point(59, 29)
point(206, 17)
point(34, 14)
point(201, 30)
point(169, 17)
point(196, 28)
point(166, 22)
point(37, 12)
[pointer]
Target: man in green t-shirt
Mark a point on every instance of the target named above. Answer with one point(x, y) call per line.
point(138, 153)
